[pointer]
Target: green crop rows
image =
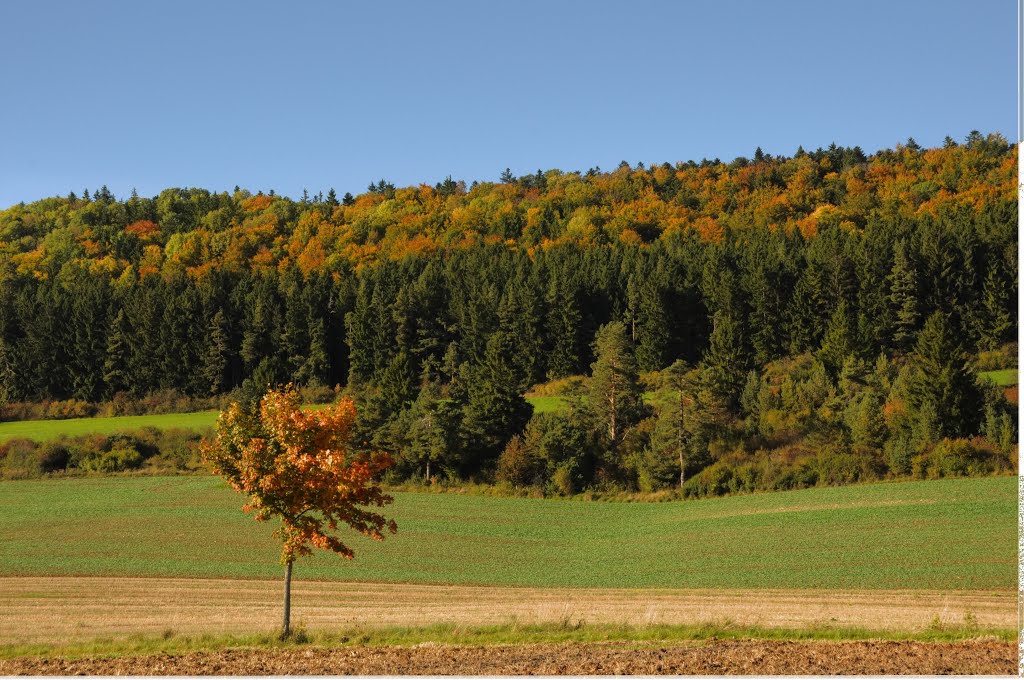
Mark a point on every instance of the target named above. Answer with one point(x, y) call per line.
point(947, 534)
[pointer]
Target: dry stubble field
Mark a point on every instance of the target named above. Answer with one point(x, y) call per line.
point(42, 609)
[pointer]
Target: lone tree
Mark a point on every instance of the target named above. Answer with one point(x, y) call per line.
point(299, 466)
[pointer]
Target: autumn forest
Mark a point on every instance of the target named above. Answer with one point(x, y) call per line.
point(766, 323)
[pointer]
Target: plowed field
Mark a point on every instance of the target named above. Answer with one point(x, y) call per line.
point(715, 657)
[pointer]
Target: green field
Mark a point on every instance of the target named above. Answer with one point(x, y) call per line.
point(947, 534)
point(1003, 378)
point(546, 404)
point(42, 430)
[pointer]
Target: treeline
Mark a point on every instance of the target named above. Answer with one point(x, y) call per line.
point(794, 424)
point(438, 327)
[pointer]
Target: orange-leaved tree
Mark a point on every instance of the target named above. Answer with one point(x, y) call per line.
point(299, 466)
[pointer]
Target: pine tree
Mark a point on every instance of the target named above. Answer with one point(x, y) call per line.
point(8, 377)
point(88, 328)
point(652, 335)
point(765, 318)
point(495, 410)
point(563, 329)
point(397, 383)
point(115, 365)
point(725, 363)
point(518, 320)
point(614, 386)
point(315, 368)
point(941, 381)
point(996, 310)
point(216, 359)
point(806, 320)
point(359, 336)
point(840, 339)
point(903, 299)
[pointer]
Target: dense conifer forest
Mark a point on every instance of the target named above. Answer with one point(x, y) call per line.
point(770, 322)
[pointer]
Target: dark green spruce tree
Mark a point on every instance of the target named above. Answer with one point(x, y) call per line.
point(495, 410)
point(903, 299)
point(941, 382)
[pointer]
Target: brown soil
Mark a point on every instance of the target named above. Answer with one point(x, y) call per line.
point(718, 657)
point(52, 609)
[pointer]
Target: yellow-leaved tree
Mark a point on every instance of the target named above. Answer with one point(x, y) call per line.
point(299, 467)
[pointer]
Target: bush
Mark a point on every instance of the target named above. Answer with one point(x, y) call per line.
point(898, 453)
point(564, 479)
point(960, 458)
point(519, 464)
point(155, 450)
point(114, 460)
point(54, 456)
point(124, 404)
point(19, 459)
point(836, 467)
point(711, 481)
point(998, 359)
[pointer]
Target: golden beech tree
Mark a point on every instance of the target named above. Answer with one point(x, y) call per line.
point(298, 466)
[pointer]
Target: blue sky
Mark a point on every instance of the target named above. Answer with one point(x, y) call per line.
point(314, 95)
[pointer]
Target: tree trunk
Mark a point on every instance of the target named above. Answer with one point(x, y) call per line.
point(286, 627)
point(682, 440)
point(428, 472)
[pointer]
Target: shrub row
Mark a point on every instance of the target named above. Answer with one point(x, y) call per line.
point(147, 449)
point(834, 465)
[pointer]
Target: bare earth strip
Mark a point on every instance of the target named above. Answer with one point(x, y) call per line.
point(711, 658)
point(61, 609)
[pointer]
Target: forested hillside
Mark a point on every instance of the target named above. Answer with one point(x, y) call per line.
point(782, 294)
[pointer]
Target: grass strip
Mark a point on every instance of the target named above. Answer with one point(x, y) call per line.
point(508, 634)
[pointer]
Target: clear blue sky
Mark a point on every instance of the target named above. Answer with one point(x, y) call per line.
point(318, 94)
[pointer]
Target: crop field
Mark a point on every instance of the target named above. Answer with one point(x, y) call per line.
point(946, 535)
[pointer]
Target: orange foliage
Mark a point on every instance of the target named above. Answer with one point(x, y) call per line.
point(417, 245)
point(299, 467)
point(709, 229)
point(257, 203)
point(144, 229)
point(312, 257)
point(894, 411)
point(630, 237)
point(263, 258)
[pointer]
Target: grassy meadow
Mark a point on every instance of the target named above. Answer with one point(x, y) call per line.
point(945, 534)
point(1003, 378)
point(43, 430)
